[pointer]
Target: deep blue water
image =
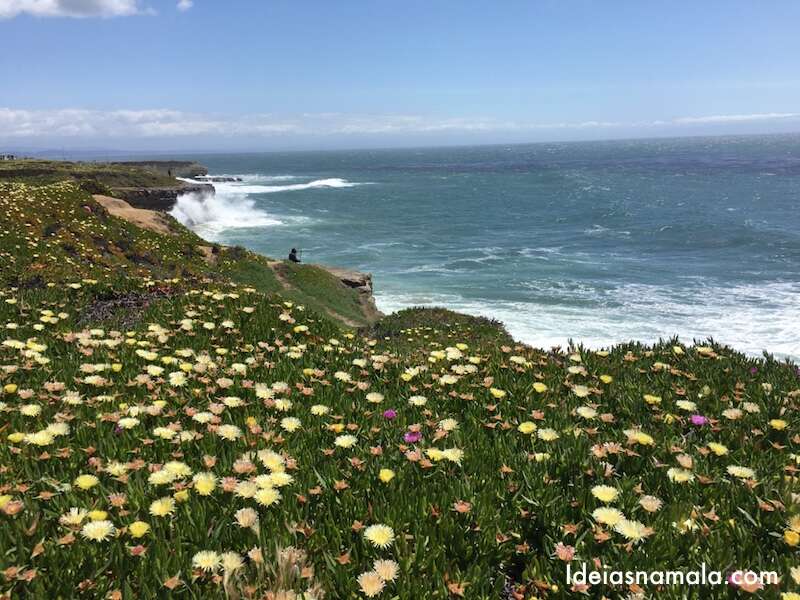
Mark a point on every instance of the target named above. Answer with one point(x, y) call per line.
point(599, 242)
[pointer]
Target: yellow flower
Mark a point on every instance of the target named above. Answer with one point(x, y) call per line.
point(98, 531)
point(790, 596)
point(345, 441)
point(548, 435)
point(652, 400)
point(717, 449)
point(206, 560)
point(680, 475)
point(605, 493)
point(581, 391)
point(204, 483)
point(527, 427)
point(10, 388)
point(794, 523)
point(290, 424)
point(607, 516)
point(232, 561)
point(453, 455)
point(162, 507)
point(792, 538)
point(539, 387)
point(386, 475)
point(606, 378)
point(496, 393)
point(97, 515)
point(639, 437)
point(380, 536)
point(181, 495)
point(86, 482)
point(631, 530)
point(267, 496)
point(138, 529)
point(741, 472)
point(778, 424)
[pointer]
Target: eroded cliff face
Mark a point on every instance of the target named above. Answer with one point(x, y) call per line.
point(159, 198)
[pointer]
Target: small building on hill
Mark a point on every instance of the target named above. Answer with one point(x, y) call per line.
point(7, 157)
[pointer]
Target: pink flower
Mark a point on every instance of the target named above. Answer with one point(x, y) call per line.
point(564, 552)
point(412, 437)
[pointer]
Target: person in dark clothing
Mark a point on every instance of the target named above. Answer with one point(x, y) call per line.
point(293, 256)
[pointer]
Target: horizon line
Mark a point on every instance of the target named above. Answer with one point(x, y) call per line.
point(65, 150)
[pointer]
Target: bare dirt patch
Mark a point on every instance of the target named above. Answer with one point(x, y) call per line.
point(146, 219)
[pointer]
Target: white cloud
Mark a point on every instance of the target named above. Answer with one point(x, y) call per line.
point(70, 8)
point(184, 5)
point(738, 118)
point(165, 123)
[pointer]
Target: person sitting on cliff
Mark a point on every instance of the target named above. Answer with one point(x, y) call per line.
point(293, 256)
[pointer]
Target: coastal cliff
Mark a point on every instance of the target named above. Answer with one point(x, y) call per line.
point(162, 198)
point(141, 194)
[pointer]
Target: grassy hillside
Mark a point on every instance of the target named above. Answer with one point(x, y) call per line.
point(91, 175)
point(58, 233)
point(175, 428)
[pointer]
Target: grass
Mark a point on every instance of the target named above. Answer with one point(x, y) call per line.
point(96, 175)
point(197, 399)
point(56, 233)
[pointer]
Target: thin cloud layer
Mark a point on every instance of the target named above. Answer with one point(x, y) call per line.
point(164, 123)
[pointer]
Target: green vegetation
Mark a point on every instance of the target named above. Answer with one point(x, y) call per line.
point(95, 177)
point(194, 427)
point(58, 233)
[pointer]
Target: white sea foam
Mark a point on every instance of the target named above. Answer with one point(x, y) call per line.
point(750, 318)
point(209, 215)
point(260, 184)
point(231, 207)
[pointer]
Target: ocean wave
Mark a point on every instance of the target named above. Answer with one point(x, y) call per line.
point(248, 188)
point(231, 207)
point(749, 318)
point(209, 215)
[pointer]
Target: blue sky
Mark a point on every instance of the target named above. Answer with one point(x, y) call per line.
point(267, 74)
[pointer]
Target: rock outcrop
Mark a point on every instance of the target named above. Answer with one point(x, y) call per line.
point(362, 283)
point(160, 198)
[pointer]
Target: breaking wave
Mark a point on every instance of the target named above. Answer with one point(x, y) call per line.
point(232, 207)
point(209, 214)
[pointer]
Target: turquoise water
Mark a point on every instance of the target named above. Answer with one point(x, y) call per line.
point(598, 242)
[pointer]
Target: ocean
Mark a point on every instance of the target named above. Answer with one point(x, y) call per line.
point(596, 242)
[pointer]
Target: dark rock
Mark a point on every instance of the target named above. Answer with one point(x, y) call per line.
point(160, 198)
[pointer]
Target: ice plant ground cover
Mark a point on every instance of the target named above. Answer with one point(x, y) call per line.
point(217, 440)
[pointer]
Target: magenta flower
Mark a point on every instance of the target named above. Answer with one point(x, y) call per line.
point(699, 420)
point(390, 414)
point(412, 437)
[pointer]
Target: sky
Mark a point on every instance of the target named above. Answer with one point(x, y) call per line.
point(206, 75)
